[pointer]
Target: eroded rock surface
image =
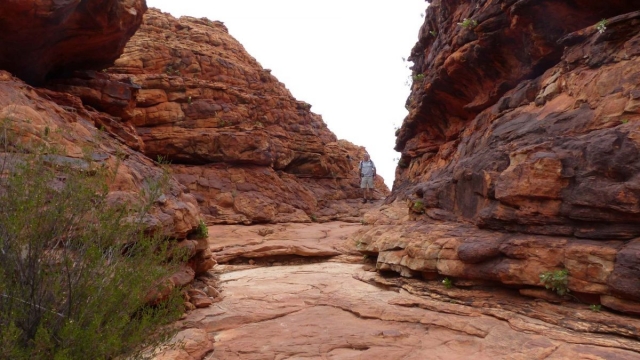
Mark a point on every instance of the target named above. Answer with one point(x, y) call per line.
point(186, 91)
point(34, 117)
point(44, 38)
point(337, 310)
point(520, 151)
point(228, 243)
point(551, 151)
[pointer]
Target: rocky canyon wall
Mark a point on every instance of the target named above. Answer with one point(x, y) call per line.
point(187, 91)
point(520, 153)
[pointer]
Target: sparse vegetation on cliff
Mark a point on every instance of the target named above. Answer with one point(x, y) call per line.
point(468, 23)
point(417, 206)
point(77, 272)
point(202, 232)
point(601, 26)
point(447, 283)
point(557, 281)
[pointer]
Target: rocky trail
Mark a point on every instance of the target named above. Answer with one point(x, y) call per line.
point(302, 291)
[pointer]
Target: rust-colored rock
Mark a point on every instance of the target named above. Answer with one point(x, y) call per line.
point(44, 38)
point(235, 136)
point(44, 117)
point(524, 123)
point(541, 138)
point(332, 310)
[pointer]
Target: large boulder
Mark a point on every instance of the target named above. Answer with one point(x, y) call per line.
point(48, 38)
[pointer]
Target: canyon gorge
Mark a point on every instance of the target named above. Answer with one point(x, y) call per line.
point(512, 229)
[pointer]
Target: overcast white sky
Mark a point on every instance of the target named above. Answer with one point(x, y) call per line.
point(344, 57)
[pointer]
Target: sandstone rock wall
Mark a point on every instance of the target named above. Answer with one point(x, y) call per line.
point(43, 38)
point(523, 122)
point(38, 117)
point(186, 91)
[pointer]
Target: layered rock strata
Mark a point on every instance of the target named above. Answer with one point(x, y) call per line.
point(188, 92)
point(36, 117)
point(295, 307)
point(523, 122)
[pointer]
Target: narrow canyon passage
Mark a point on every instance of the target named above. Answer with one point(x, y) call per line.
point(278, 306)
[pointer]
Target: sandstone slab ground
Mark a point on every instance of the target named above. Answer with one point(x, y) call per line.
point(335, 310)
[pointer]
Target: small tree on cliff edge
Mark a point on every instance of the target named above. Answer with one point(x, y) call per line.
point(75, 271)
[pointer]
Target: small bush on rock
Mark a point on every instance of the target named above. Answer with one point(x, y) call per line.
point(468, 23)
point(202, 232)
point(417, 206)
point(447, 283)
point(76, 271)
point(557, 281)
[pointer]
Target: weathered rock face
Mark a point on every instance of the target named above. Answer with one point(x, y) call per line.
point(235, 136)
point(523, 118)
point(51, 37)
point(534, 148)
point(288, 308)
point(59, 120)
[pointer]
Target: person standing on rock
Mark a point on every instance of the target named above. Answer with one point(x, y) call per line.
point(367, 173)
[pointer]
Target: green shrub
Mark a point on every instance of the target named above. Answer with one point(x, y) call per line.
point(76, 271)
point(202, 232)
point(557, 281)
point(447, 283)
point(468, 23)
point(595, 308)
point(417, 206)
point(418, 77)
point(601, 26)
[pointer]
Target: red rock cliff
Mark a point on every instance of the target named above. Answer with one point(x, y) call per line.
point(45, 38)
point(184, 89)
point(524, 120)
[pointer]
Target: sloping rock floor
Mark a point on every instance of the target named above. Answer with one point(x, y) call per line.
point(301, 291)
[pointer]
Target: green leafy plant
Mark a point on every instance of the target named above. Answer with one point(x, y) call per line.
point(202, 232)
point(433, 33)
point(417, 206)
point(601, 25)
point(313, 218)
point(557, 281)
point(447, 283)
point(418, 77)
point(624, 121)
point(595, 308)
point(402, 163)
point(468, 23)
